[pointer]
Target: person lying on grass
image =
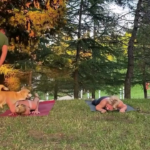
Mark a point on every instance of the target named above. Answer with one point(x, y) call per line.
point(109, 103)
point(24, 107)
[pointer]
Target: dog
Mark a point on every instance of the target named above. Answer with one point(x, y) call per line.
point(13, 96)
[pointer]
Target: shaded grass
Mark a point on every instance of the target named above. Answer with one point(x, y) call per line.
point(72, 126)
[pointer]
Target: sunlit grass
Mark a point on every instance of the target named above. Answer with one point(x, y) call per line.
point(72, 126)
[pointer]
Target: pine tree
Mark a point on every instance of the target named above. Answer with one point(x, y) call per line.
point(85, 16)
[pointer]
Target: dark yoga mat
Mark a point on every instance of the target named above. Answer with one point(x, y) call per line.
point(44, 109)
point(92, 107)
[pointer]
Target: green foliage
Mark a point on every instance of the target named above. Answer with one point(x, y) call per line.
point(100, 74)
point(26, 21)
point(142, 67)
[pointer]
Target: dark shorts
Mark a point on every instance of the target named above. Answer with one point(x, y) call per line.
point(97, 101)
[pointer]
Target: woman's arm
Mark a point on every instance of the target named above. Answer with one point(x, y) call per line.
point(11, 106)
point(3, 55)
point(122, 107)
point(101, 105)
point(36, 101)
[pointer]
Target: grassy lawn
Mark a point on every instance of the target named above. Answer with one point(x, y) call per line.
point(72, 126)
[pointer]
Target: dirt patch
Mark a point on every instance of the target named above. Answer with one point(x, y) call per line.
point(144, 112)
point(7, 143)
point(86, 146)
point(37, 135)
point(112, 118)
point(40, 135)
point(54, 138)
point(139, 110)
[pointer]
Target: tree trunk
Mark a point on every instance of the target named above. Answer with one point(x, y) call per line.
point(130, 66)
point(93, 94)
point(55, 90)
point(145, 90)
point(76, 82)
point(30, 79)
point(144, 75)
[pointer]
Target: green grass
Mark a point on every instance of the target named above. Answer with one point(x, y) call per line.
point(137, 92)
point(72, 126)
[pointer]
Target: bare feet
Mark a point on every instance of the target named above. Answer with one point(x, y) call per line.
point(12, 114)
point(35, 112)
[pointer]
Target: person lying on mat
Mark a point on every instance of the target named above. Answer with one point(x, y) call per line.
point(109, 103)
point(24, 107)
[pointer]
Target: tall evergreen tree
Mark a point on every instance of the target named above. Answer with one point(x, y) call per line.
point(129, 73)
point(83, 17)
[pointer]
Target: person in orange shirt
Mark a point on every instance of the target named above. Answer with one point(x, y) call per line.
point(109, 103)
point(3, 45)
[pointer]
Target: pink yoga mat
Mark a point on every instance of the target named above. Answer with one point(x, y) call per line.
point(44, 108)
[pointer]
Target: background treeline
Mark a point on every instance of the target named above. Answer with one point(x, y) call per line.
point(65, 46)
